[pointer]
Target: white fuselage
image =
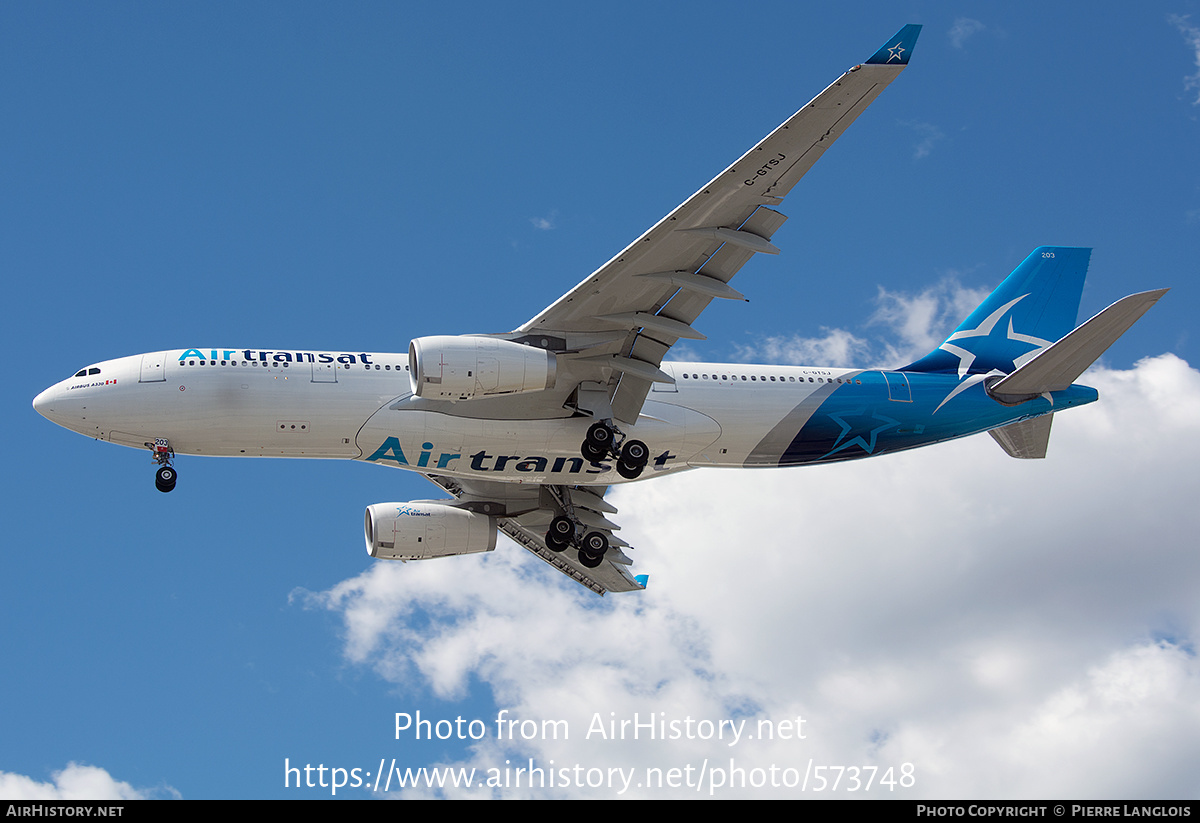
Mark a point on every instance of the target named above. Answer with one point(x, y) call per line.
point(259, 403)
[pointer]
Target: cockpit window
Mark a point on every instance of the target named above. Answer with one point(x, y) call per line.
point(86, 372)
point(93, 370)
point(81, 373)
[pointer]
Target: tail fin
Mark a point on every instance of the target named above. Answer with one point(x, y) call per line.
point(1035, 306)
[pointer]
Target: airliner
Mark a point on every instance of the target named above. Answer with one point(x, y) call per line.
point(526, 431)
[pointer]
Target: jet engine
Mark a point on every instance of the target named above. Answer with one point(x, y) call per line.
point(461, 368)
point(426, 528)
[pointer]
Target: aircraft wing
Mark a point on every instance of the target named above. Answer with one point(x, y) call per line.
point(623, 318)
point(527, 512)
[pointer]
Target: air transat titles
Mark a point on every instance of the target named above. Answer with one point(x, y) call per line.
point(276, 356)
point(390, 451)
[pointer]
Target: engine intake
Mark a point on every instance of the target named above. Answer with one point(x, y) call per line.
point(426, 528)
point(444, 367)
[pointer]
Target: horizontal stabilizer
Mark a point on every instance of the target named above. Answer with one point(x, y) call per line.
point(1025, 439)
point(1057, 367)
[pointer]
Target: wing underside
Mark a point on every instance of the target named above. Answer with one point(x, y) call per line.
point(526, 515)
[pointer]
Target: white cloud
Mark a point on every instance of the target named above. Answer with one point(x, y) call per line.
point(1011, 628)
point(928, 135)
point(545, 223)
point(913, 326)
point(962, 30)
point(75, 782)
point(837, 347)
point(921, 322)
point(1191, 35)
point(684, 352)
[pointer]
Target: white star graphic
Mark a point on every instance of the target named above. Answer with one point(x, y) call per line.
point(966, 357)
point(896, 52)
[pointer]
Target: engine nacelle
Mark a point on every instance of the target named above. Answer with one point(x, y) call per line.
point(426, 528)
point(461, 368)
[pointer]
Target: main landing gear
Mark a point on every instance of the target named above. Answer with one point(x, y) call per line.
point(602, 443)
point(563, 534)
point(165, 477)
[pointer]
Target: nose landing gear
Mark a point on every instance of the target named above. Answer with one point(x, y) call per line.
point(165, 477)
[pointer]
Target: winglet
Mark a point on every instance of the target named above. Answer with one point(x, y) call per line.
point(897, 50)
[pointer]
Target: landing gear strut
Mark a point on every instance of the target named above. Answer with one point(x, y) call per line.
point(165, 477)
point(602, 441)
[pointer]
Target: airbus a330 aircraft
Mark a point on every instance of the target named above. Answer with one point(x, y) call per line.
point(527, 430)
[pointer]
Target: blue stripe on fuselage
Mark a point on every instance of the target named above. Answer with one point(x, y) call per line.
point(857, 421)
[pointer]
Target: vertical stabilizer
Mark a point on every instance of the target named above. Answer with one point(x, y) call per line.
point(1035, 306)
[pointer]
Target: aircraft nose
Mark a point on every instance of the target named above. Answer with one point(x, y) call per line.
point(43, 404)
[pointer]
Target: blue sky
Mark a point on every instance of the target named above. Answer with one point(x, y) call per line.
point(307, 175)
